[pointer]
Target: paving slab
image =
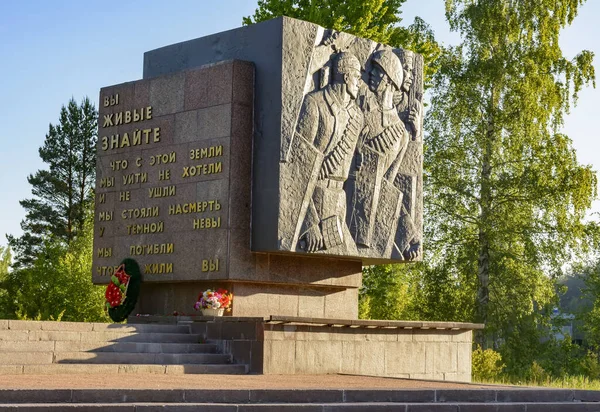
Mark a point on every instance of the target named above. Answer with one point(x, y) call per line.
point(81, 379)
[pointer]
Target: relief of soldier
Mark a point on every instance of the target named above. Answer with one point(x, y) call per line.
point(360, 204)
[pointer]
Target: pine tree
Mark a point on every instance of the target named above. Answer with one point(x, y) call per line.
point(63, 192)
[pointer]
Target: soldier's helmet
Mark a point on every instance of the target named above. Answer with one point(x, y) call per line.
point(345, 63)
point(390, 63)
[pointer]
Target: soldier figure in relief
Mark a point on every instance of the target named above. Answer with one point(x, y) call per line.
point(331, 120)
point(383, 140)
point(408, 237)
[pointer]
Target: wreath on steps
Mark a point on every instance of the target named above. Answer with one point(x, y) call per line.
point(123, 290)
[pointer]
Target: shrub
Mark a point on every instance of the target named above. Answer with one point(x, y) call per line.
point(487, 365)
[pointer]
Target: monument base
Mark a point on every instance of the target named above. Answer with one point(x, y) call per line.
point(252, 299)
point(294, 345)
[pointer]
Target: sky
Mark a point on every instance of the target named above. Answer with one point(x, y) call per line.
point(52, 51)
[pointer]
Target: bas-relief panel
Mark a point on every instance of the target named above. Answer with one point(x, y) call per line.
point(351, 162)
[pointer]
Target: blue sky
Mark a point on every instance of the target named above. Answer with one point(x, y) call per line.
point(52, 51)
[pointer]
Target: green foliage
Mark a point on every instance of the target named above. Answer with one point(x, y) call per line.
point(120, 313)
point(505, 195)
point(591, 316)
point(486, 365)
point(388, 292)
point(57, 285)
point(64, 191)
point(5, 261)
point(371, 19)
point(378, 20)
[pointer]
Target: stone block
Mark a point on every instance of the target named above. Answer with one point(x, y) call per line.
point(279, 358)
point(427, 376)
point(316, 396)
point(445, 357)
point(469, 395)
point(318, 357)
point(388, 396)
point(153, 369)
point(30, 396)
point(68, 326)
point(257, 357)
point(24, 325)
point(534, 395)
point(3, 324)
point(25, 358)
point(284, 407)
point(11, 369)
point(428, 407)
point(209, 87)
point(561, 407)
point(167, 94)
point(432, 335)
point(464, 357)
point(74, 368)
point(363, 358)
point(464, 336)
point(586, 395)
point(214, 122)
point(405, 357)
point(387, 335)
point(186, 127)
point(127, 396)
point(243, 82)
point(217, 396)
point(186, 408)
point(342, 304)
point(20, 346)
point(458, 377)
point(239, 331)
point(55, 335)
point(311, 303)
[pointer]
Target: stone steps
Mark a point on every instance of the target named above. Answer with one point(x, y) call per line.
point(374, 407)
point(464, 400)
point(141, 358)
point(33, 347)
point(108, 336)
point(137, 347)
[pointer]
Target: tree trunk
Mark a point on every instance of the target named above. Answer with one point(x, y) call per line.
point(483, 261)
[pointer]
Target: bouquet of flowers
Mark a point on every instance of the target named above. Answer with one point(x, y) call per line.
point(214, 299)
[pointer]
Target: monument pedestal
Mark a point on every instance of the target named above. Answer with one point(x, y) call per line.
point(287, 345)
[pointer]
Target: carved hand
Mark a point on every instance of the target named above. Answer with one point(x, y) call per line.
point(412, 252)
point(359, 160)
point(314, 239)
point(414, 118)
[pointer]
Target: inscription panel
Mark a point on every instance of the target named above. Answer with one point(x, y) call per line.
point(162, 185)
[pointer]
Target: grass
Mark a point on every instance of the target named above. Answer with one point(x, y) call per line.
point(568, 382)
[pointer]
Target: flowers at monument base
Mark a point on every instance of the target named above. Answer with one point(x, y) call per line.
point(116, 291)
point(214, 299)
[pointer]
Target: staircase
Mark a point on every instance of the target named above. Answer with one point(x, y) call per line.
point(37, 347)
point(309, 400)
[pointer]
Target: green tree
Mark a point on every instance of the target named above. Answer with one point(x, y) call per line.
point(5, 261)
point(378, 20)
point(505, 195)
point(590, 316)
point(63, 193)
point(57, 284)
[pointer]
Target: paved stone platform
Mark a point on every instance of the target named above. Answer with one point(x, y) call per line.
point(307, 393)
point(246, 382)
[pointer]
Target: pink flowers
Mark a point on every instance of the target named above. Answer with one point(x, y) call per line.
point(210, 299)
